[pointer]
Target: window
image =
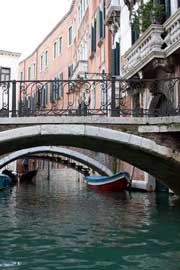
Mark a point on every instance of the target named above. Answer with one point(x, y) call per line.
point(56, 90)
point(42, 62)
point(100, 22)
point(70, 71)
point(167, 5)
point(134, 36)
point(44, 96)
point(55, 50)
point(46, 59)
point(60, 89)
point(29, 73)
point(70, 33)
point(83, 4)
point(115, 60)
point(21, 75)
point(93, 37)
point(5, 74)
point(34, 70)
point(178, 3)
point(60, 45)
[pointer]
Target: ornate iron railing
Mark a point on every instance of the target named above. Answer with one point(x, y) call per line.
point(107, 96)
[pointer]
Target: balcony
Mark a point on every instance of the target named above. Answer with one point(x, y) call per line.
point(172, 28)
point(80, 69)
point(113, 12)
point(152, 46)
point(146, 48)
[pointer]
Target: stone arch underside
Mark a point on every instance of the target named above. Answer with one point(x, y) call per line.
point(84, 159)
point(160, 161)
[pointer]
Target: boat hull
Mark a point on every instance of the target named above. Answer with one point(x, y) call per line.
point(28, 176)
point(118, 185)
point(5, 182)
point(117, 182)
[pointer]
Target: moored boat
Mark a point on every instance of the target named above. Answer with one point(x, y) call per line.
point(28, 176)
point(5, 181)
point(116, 182)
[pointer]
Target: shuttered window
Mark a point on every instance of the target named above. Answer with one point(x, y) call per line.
point(44, 96)
point(60, 86)
point(56, 88)
point(93, 36)
point(70, 71)
point(52, 92)
point(115, 60)
point(100, 24)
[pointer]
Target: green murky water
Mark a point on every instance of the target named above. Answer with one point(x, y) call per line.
point(62, 225)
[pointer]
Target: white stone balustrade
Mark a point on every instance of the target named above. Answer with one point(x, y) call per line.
point(147, 47)
point(172, 28)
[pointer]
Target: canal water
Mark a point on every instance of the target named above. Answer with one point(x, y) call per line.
point(61, 224)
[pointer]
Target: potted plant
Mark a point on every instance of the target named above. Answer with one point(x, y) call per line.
point(147, 14)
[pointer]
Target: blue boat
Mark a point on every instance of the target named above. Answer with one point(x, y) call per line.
point(116, 182)
point(5, 181)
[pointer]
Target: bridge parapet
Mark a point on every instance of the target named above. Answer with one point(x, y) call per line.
point(108, 96)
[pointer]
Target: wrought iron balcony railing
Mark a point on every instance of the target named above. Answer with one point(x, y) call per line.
point(102, 97)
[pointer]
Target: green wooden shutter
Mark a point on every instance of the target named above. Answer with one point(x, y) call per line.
point(113, 63)
point(117, 58)
point(51, 91)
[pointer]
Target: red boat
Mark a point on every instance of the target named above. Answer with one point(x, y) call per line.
point(116, 182)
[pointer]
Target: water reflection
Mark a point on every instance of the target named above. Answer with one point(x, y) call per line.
point(62, 225)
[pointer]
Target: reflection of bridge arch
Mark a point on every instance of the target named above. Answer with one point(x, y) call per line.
point(79, 157)
point(145, 154)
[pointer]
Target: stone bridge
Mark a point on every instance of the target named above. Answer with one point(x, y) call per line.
point(79, 157)
point(163, 130)
point(119, 137)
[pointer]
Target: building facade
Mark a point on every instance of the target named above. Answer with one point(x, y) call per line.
point(145, 35)
point(8, 71)
point(101, 38)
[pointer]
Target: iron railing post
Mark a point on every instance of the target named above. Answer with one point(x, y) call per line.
point(14, 99)
point(113, 97)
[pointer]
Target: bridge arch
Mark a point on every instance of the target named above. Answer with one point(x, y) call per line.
point(160, 161)
point(84, 159)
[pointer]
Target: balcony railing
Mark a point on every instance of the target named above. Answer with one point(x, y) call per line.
point(151, 45)
point(108, 97)
point(172, 28)
point(80, 69)
point(112, 11)
point(147, 47)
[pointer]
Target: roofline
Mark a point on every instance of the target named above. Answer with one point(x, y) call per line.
point(57, 25)
point(4, 52)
